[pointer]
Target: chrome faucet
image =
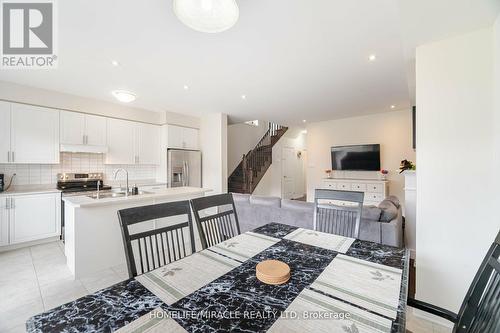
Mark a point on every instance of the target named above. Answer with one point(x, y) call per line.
point(98, 188)
point(126, 173)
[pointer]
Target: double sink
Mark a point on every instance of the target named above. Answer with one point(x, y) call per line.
point(114, 194)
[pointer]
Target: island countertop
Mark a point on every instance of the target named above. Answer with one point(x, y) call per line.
point(161, 193)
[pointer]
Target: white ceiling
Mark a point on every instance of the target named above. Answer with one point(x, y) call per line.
point(293, 59)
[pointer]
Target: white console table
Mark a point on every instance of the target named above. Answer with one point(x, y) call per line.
point(375, 190)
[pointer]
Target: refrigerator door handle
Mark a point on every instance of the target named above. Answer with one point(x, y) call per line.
point(183, 173)
point(187, 174)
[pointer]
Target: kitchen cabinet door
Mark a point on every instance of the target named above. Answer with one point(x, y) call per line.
point(72, 128)
point(34, 217)
point(148, 144)
point(95, 129)
point(5, 132)
point(175, 136)
point(121, 142)
point(35, 134)
point(190, 138)
point(4, 221)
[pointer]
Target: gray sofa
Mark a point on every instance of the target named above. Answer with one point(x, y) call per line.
point(383, 221)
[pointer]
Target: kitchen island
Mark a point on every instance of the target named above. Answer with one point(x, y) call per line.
point(93, 239)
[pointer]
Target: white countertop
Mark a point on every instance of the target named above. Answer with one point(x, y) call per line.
point(84, 201)
point(30, 189)
point(139, 183)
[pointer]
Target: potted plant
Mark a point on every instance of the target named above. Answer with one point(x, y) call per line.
point(328, 173)
point(383, 174)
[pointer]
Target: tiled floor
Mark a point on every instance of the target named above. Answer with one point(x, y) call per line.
point(36, 279)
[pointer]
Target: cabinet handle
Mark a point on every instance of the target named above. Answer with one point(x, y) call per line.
point(6, 203)
point(13, 157)
point(12, 203)
point(8, 156)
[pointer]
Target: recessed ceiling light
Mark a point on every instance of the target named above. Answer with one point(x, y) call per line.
point(372, 57)
point(243, 96)
point(124, 96)
point(304, 120)
point(393, 106)
point(115, 63)
point(304, 132)
point(186, 87)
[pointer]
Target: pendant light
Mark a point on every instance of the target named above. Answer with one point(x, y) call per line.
point(209, 16)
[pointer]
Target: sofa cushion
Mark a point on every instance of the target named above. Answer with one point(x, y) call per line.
point(389, 211)
point(297, 205)
point(240, 197)
point(265, 201)
point(371, 213)
point(394, 199)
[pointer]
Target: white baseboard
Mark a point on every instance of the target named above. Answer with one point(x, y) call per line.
point(28, 244)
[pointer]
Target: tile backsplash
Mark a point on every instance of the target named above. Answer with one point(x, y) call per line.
point(34, 174)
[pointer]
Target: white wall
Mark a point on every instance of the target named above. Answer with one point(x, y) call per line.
point(392, 130)
point(213, 142)
point(457, 196)
point(241, 138)
point(271, 182)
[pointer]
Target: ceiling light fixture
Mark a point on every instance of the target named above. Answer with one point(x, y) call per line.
point(243, 96)
point(209, 16)
point(124, 96)
point(372, 57)
point(304, 120)
point(393, 106)
point(115, 63)
point(186, 87)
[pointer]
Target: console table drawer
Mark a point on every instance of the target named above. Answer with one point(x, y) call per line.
point(344, 186)
point(377, 197)
point(373, 187)
point(329, 185)
point(359, 187)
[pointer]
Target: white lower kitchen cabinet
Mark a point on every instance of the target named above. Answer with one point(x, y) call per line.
point(31, 217)
point(4, 222)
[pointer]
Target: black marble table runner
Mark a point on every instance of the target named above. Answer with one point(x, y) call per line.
point(254, 306)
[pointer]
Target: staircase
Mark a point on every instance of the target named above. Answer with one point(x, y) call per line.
point(255, 163)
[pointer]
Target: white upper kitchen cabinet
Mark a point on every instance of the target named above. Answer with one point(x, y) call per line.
point(72, 128)
point(33, 217)
point(147, 144)
point(34, 134)
point(5, 132)
point(95, 130)
point(82, 129)
point(182, 137)
point(121, 142)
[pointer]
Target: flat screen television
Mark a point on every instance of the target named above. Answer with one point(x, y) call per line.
point(356, 158)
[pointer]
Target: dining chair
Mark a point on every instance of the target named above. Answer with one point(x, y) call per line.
point(338, 212)
point(216, 218)
point(480, 310)
point(156, 235)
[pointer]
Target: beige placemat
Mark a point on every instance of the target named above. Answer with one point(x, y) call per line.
point(155, 321)
point(179, 279)
point(314, 312)
point(321, 239)
point(244, 246)
point(373, 286)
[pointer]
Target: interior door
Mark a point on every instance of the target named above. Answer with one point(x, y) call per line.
point(288, 181)
point(95, 129)
point(35, 134)
point(5, 132)
point(72, 128)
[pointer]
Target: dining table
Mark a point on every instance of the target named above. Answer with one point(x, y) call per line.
point(337, 284)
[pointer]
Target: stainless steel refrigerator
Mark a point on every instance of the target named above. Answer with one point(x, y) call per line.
point(184, 168)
